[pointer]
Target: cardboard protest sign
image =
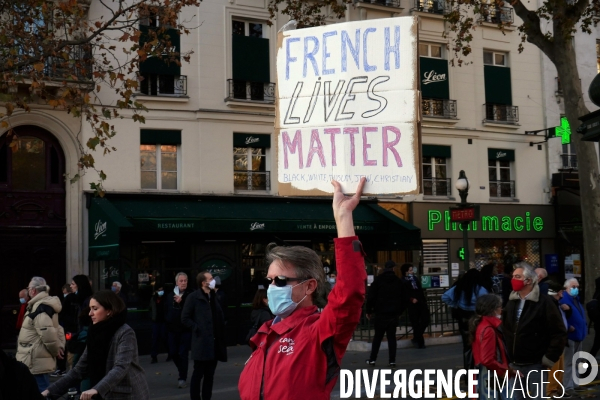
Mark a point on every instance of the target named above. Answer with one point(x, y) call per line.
point(347, 107)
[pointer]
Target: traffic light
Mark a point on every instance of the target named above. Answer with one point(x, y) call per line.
point(461, 254)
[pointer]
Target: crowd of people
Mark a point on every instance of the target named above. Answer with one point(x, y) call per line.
point(522, 325)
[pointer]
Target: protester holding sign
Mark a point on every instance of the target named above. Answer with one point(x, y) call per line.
point(298, 355)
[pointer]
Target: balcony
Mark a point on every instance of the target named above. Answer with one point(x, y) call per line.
point(504, 189)
point(250, 91)
point(387, 3)
point(75, 62)
point(569, 161)
point(252, 180)
point(439, 108)
point(496, 15)
point(501, 113)
point(436, 187)
point(163, 85)
point(431, 6)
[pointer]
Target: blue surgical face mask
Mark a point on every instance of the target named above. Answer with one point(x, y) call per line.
point(22, 300)
point(574, 291)
point(280, 300)
point(113, 288)
point(160, 292)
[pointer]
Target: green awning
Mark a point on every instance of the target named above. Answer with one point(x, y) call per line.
point(434, 78)
point(250, 215)
point(160, 136)
point(432, 150)
point(104, 225)
point(251, 140)
point(501, 154)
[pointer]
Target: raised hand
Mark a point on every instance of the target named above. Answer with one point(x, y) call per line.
point(343, 207)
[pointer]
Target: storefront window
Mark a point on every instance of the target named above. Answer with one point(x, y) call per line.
point(507, 252)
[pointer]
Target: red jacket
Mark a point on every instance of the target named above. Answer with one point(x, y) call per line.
point(21, 316)
point(300, 356)
point(488, 346)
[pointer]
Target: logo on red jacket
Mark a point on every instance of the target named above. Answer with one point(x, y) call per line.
point(286, 346)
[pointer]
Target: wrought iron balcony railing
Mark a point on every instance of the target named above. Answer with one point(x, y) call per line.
point(163, 85)
point(78, 64)
point(436, 187)
point(502, 189)
point(250, 91)
point(441, 108)
point(252, 180)
point(387, 3)
point(569, 161)
point(431, 6)
point(501, 113)
point(496, 15)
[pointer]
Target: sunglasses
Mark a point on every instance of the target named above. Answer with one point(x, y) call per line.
point(281, 281)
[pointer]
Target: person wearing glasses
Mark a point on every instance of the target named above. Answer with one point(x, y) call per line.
point(298, 354)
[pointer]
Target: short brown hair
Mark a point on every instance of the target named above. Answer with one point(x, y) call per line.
point(201, 277)
point(260, 295)
point(110, 301)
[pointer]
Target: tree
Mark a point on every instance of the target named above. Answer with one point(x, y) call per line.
point(54, 54)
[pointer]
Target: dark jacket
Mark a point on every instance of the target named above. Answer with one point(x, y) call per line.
point(173, 311)
point(158, 308)
point(205, 319)
point(125, 378)
point(259, 316)
point(16, 382)
point(409, 292)
point(384, 297)
point(67, 317)
point(576, 318)
point(540, 333)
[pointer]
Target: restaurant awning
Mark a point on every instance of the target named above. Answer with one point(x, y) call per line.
point(104, 223)
point(249, 214)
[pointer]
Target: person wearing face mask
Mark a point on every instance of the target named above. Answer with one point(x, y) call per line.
point(24, 300)
point(533, 330)
point(298, 354)
point(489, 351)
point(577, 330)
point(415, 302)
point(332, 278)
point(202, 314)
point(117, 288)
point(179, 336)
point(159, 328)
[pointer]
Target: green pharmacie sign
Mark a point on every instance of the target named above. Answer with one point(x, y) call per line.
point(491, 223)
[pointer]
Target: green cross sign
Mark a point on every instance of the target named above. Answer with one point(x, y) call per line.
point(461, 254)
point(564, 131)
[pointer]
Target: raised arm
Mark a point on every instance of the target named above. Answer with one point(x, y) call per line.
point(343, 207)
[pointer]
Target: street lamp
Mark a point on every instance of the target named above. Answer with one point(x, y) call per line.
point(462, 185)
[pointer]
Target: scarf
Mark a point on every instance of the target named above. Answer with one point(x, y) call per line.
point(98, 344)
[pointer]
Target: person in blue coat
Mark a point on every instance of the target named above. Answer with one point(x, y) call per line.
point(576, 331)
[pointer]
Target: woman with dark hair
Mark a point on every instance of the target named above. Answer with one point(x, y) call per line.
point(414, 300)
point(489, 351)
point(486, 277)
point(462, 298)
point(80, 286)
point(110, 359)
point(261, 312)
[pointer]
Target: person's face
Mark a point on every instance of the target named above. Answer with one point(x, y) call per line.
point(97, 312)
point(23, 294)
point(74, 287)
point(117, 289)
point(207, 278)
point(499, 310)
point(31, 290)
point(518, 274)
point(573, 285)
point(410, 271)
point(300, 289)
point(182, 282)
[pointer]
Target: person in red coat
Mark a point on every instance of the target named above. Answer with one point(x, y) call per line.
point(489, 351)
point(298, 354)
point(24, 299)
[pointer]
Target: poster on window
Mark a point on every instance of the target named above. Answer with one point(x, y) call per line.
point(347, 107)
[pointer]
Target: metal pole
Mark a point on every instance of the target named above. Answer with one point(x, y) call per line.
point(465, 227)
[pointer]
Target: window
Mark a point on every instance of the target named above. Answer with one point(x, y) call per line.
point(159, 166)
point(568, 156)
point(431, 6)
point(494, 58)
point(161, 75)
point(498, 93)
point(430, 50)
point(500, 183)
point(435, 179)
point(251, 73)
point(435, 257)
point(250, 161)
